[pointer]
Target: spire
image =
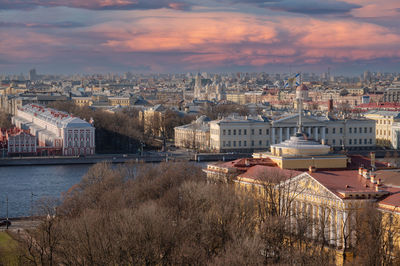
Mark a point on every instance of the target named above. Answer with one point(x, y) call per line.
point(301, 94)
point(299, 123)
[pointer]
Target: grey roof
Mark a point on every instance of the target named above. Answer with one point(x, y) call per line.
point(385, 113)
point(203, 119)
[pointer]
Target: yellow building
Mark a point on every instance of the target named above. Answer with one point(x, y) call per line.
point(238, 98)
point(383, 121)
point(121, 101)
point(152, 119)
point(82, 101)
point(328, 196)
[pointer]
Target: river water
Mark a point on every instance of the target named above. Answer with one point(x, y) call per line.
point(19, 182)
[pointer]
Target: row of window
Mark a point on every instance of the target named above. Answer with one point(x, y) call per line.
point(360, 130)
point(360, 141)
point(354, 130)
point(27, 141)
point(260, 142)
point(76, 144)
point(353, 142)
point(384, 132)
point(239, 143)
point(239, 131)
point(383, 122)
point(25, 149)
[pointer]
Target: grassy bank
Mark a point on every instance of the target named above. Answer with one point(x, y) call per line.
point(8, 250)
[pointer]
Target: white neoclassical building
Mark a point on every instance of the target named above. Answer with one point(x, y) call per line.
point(240, 133)
point(63, 132)
point(349, 134)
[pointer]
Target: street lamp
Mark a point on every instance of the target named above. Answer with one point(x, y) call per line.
point(7, 211)
point(7, 220)
point(32, 204)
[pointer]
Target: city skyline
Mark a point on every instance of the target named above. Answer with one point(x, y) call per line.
point(166, 36)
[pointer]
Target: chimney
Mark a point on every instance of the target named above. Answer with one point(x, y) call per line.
point(373, 178)
point(360, 170)
point(373, 161)
point(379, 182)
point(365, 173)
point(311, 169)
point(376, 188)
point(246, 162)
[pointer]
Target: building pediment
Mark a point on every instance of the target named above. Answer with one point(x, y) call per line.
point(306, 185)
point(293, 119)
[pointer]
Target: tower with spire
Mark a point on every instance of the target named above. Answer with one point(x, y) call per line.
point(197, 87)
point(301, 95)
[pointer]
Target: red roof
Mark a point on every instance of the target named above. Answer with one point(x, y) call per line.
point(364, 161)
point(393, 199)
point(384, 106)
point(343, 181)
point(248, 162)
point(263, 172)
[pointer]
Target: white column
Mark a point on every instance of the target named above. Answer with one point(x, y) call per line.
point(339, 220)
point(273, 135)
point(303, 209)
point(280, 134)
point(315, 221)
point(346, 227)
point(323, 132)
point(310, 218)
point(288, 133)
point(316, 133)
point(309, 132)
point(332, 227)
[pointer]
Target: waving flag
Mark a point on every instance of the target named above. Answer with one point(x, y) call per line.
point(293, 80)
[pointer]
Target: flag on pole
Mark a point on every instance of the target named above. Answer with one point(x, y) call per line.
point(293, 80)
point(297, 77)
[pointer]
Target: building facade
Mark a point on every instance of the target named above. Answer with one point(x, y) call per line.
point(21, 143)
point(348, 134)
point(238, 133)
point(56, 131)
point(384, 121)
point(195, 135)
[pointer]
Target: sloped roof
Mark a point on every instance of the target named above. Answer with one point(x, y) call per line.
point(266, 172)
point(343, 181)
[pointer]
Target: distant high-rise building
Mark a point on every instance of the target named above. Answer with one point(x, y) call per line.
point(32, 75)
point(367, 76)
point(197, 87)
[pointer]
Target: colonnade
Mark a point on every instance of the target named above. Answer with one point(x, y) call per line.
point(284, 133)
point(321, 221)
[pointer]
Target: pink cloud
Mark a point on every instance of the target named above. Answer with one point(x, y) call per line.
point(375, 8)
point(94, 4)
point(185, 32)
point(218, 38)
point(208, 39)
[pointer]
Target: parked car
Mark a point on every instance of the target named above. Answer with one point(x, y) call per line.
point(5, 223)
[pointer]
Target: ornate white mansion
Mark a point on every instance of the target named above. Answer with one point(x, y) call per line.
point(57, 132)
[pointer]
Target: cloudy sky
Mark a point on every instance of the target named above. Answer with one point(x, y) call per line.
point(170, 36)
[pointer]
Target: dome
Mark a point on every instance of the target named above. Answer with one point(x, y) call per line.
point(299, 146)
point(302, 87)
